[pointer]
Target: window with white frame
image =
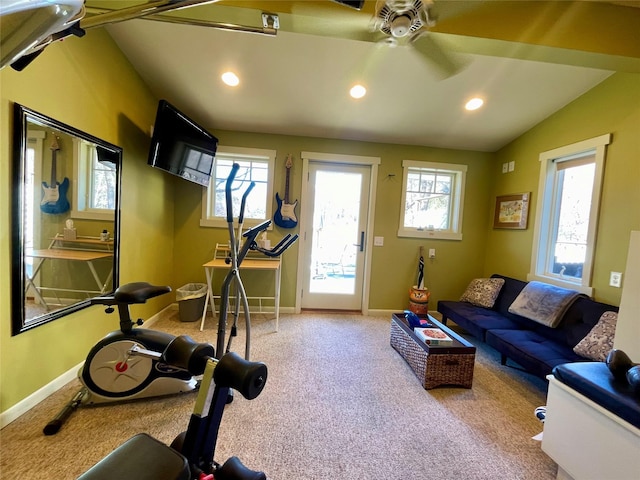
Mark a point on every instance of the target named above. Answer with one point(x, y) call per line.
point(32, 178)
point(96, 174)
point(566, 222)
point(432, 200)
point(256, 165)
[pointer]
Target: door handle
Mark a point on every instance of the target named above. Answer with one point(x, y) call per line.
point(361, 244)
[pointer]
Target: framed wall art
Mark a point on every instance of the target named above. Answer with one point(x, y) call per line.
point(512, 211)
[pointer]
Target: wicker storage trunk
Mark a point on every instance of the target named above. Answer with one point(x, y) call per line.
point(434, 365)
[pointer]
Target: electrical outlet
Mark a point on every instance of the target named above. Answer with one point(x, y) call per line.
point(432, 253)
point(615, 280)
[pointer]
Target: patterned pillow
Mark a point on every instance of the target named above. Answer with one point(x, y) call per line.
point(599, 341)
point(483, 292)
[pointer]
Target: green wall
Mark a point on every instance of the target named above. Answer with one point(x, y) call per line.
point(394, 265)
point(86, 83)
point(611, 107)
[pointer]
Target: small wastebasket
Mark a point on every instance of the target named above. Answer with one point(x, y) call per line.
point(190, 300)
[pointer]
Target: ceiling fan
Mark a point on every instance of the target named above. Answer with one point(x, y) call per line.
point(407, 23)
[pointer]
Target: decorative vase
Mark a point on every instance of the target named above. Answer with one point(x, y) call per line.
point(419, 300)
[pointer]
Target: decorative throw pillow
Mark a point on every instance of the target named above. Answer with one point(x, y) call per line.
point(599, 341)
point(483, 292)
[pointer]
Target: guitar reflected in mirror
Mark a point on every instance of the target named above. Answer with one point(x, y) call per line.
point(285, 216)
point(54, 195)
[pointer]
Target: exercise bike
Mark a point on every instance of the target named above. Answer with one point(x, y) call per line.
point(191, 454)
point(111, 374)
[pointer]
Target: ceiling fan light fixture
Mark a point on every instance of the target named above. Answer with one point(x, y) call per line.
point(358, 91)
point(474, 104)
point(400, 26)
point(230, 79)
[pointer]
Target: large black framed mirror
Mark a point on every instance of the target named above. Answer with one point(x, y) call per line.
point(65, 230)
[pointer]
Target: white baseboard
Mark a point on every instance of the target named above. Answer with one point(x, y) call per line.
point(36, 397)
point(56, 384)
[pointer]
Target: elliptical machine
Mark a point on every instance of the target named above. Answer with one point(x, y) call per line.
point(238, 252)
point(111, 374)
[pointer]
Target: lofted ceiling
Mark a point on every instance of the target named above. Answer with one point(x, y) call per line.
point(525, 59)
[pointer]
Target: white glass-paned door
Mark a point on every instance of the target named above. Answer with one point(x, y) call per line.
point(334, 261)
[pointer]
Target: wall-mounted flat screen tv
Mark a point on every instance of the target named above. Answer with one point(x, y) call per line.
point(180, 146)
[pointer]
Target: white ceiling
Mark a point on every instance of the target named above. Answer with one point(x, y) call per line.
point(297, 84)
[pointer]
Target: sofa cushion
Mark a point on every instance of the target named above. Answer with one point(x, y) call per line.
point(475, 320)
point(594, 381)
point(482, 292)
point(535, 352)
point(599, 341)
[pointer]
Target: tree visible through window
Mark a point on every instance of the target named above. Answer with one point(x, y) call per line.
point(567, 218)
point(428, 202)
point(95, 195)
point(103, 183)
point(256, 165)
point(432, 200)
point(573, 203)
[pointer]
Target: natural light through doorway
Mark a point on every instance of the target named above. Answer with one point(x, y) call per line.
point(335, 232)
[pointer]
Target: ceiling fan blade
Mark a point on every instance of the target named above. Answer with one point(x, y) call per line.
point(446, 63)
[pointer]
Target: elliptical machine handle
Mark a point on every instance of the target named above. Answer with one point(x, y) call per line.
point(244, 201)
point(227, 191)
point(279, 249)
point(233, 371)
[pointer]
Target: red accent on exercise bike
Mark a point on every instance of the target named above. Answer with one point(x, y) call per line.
point(121, 367)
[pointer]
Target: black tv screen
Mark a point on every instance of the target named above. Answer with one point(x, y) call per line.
point(180, 146)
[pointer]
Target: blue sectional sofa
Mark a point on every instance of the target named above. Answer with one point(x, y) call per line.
point(535, 347)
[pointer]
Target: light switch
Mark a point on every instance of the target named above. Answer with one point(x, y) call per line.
point(512, 165)
point(505, 167)
point(432, 253)
point(378, 241)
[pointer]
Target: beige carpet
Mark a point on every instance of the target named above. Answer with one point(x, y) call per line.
point(339, 403)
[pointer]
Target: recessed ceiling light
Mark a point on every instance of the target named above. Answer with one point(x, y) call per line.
point(230, 79)
point(474, 103)
point(358, 91)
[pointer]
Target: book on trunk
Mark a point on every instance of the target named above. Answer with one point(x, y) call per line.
point(433, 336)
